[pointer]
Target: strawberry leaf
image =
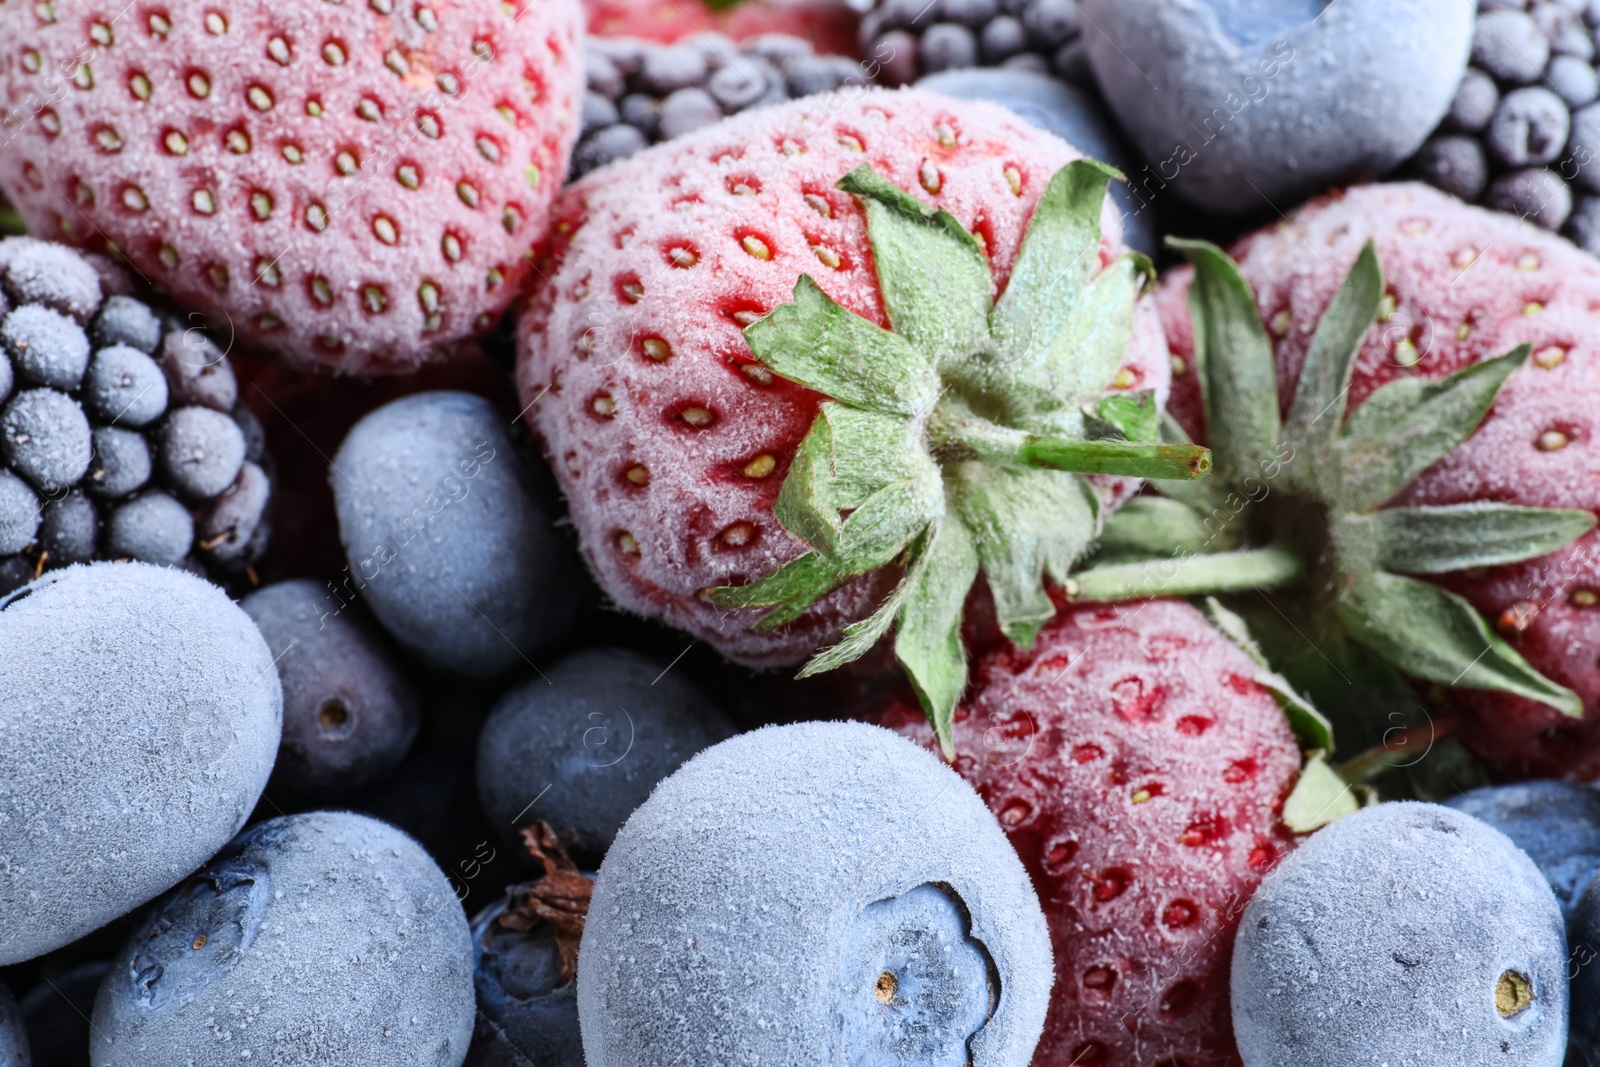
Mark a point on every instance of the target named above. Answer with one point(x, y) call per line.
point(1318, 410)
point(1238, 379)
point(1409, 425)
point(1129, 416)
point(1319, 797)
point(1151, 527)
point(1311, 729)
point(1435, 540)
point(1431, 633)
point(933, 274)
point(928, 641)
point(817, 343)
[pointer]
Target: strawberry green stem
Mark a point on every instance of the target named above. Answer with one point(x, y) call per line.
point(979, 439)
point(11, 223)
point(1229, 572)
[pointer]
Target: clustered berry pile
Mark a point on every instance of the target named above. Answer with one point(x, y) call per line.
point(122, 431)
point(946, 627)
point(1523, 133)
point(641, 93)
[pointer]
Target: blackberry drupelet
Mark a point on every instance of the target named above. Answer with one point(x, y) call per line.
point(121, 431)
point(915, 37)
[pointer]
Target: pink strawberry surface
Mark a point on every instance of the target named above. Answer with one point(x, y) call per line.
point(669, 439)
point(1465, 285)
point(830, 25)
point(353, 185)
point(1140, 773)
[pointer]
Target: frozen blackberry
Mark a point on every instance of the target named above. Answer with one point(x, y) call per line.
point(1044, 36)
point(121, 431)
point(641, 93)
point(1523, 133)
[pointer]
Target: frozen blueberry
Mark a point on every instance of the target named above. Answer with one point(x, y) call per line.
point(1573, 80)
point(231, 530)
point(664, 70)
point(1051, 23)
point(198, 372)
point(41, 272)
point(152, 527)
point(201, 451)
point(738, 85)
point(1556, 823)
point(1475, 100)
point(1454, 163)
point(124, 386)
point(642, 112)
point(1403, 934)
point(15, 572)
point(785, 898)
point(605, 145)
point(779, 49)
point(311, 939)
point(121, 463)
point(1583, 227)
point(948, 46)
point(601, 75)
point(7, 378)
point(1510, 46)
point(450, 543)
point(1563, 27)
point(581, 745)
point(1529, 128)
point(139, 717)
point(14, 1039)
point(686, 110)
point(19, 514)
point(597, 111)
point(1534, 193)
point(68, 529)
point(47, 347)
point(126, 321)
point(55, 1014)
point(526, 1014)
point(45, 437)
point(1031, 62)
point(1071, 62)
point(1232, 96)
point(1583, 148)
point(349, 712)
point(972, 13)
point(1075, 117)
point(1583, 931)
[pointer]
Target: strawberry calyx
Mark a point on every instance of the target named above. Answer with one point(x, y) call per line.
point(1299, 500)
point(957, 442)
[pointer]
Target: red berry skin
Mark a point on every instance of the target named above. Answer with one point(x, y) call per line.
point(669, 439)
point(829, 25)
point(352, 185)
point(1140, 772)
point(1467, 285)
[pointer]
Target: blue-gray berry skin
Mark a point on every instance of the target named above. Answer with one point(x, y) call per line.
point(45, 437)
point(527, 1017)
point(13, 1039)
point(1406, 934)
point(1556, 823)
point(39, 272)
point(350, 713)
point(152, 527)
point(201, 451)
point(69, 529)
point(139, 717)
point(124, 386)
point(449, 542)
point(47, 347)
point(316, 939)
point(1075, 117)
point(582, 744)
point(1583, 934)
point(1228, 99)
point(121, 463)
point(758, 908)
point(19, 513)
point(125, 321)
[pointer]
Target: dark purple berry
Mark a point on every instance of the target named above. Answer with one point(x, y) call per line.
point(664, 70)
point(56, 1015)
point(228, 532)
point(526, 1013)
point(1533, 193)
point(201, 451)
point(47, 347)
point(1529, 128)
point(121, 463)
point(643, 113)
point(53, 275)
point(1573, 80)
point(125, 321)
point(19, 514)
point(1454, 163)
point(602, 75)
point(15, 572)
point(1051, 23)
point(899, 55)
point(1583, 228)
point(737, 85)
point(1032, 62)
point(124, 386)
point(602, 146)
point(1510, 46)
point(1474, 103)
point(1583, 148)
point(597, 111)
point(1563, 27)
point(1001, 38)
point(686, 110)
point(45, 437)
point(349, 712)
point(198, 372)
point(1071, 62)
point(255, 436)
point(948, 46)
point(69, 529)
point(779, 49)
point(972, 13)
point(152, 527)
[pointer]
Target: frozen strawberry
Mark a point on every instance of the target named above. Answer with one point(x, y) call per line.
point(830, 25)
point(354, 185)
point(1140, 770)
point(692, 303)
point(1461, 288)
